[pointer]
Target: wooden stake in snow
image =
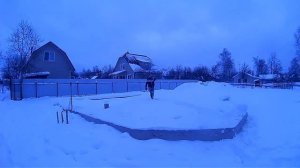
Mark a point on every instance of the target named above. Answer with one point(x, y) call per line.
point(57, 118)
point(106, 105)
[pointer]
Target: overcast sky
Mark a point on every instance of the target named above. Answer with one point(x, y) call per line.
point(171, 32)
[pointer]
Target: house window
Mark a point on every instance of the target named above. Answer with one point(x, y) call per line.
point(123, 66)
point(49, 56)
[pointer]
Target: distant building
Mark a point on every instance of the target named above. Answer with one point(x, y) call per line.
point(132, 66)
point(243, 77)
point(269, 78)
point(49, 61)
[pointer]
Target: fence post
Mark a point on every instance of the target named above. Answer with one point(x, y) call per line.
point(77, 87)
point(71, 101)
point(21, 88)
point(56, 89)
point(67, 116)
point(14, 91)
point(159, 85)
point(62, 117)
point(57, 118)
point(10, 89)
point(36, 90)
point(96, 87)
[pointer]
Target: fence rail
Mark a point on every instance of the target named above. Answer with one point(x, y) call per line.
point(268, 85)
point(30, 88)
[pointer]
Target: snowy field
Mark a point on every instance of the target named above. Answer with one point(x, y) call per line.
point(30, 135)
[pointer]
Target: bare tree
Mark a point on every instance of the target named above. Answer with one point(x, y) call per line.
point(216, 71)
point(187, 73)
point(260, 66)
point(245, 69)
point(106, 71)
point(22, 42)
point(227, 65)
point(274, 64)
point(294, 70)
point(179, 72)
point(202, 73)
point(297, 42)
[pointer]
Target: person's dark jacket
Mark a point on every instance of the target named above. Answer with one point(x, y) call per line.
point(150, 83)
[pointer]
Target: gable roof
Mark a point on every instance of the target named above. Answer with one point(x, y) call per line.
point(50, 43)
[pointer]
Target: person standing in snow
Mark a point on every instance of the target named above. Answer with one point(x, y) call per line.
point(150, 86)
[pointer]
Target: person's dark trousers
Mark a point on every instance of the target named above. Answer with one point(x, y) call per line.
point(151, 93)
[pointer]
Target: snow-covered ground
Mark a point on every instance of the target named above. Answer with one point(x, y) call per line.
point(30, 135)
point(181, 109)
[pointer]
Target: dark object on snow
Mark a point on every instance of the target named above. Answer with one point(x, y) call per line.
point(63, 119)
point(150, 86)
point(106, 105)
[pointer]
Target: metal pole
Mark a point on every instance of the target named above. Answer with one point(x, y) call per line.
point(112, 87)
point(127, 85)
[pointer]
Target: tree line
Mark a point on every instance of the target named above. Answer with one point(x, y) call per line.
point(24, 40)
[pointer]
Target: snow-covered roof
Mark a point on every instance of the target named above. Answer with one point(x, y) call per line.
point(35, 74)
point(268, 76)
point(94, 77)
point(117, 72)
point(135, 67)
point(245, 74)
point(133, 58)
